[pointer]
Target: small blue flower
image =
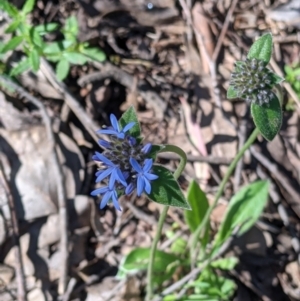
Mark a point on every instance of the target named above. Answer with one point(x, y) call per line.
point(112, 170)
point(143, 175)
point(115, 129)
point(107, 195)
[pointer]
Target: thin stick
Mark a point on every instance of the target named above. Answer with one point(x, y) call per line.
point(224, 30)
point(21, 285)
point(61, 195)
point(71, 101)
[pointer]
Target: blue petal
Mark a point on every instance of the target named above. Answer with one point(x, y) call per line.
point(140, 185)
point(114, 122)
point(104, 143)
point(146, 148)
point(131, 141)
point(150, 176)
point(147, 186)
point(147, 165)
point(98, 172)
point(104, 160)
point(129, 189)
point(112, 179)
point(105, 173)
point(120, 135)
point(120, 177)
point(100, 190)
point(105, 199)
point(128, 127)
point(115, 200)
point(136, 166)
point(95, 158)
point(108, 132)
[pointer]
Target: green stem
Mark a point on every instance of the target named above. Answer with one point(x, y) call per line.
point(177, 173)
point(231, 167)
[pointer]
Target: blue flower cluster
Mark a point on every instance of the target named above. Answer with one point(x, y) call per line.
point(124, 165)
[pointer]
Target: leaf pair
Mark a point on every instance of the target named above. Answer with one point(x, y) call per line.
point(243, 211)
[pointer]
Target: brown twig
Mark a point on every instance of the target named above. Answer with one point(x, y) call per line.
point(61, 195)
point(21, 285)
point(71, 101)
point(280, 177)
point(224, 30)
point(274, 194)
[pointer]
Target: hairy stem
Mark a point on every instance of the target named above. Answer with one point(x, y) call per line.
point(231, 168)
point(177, 173)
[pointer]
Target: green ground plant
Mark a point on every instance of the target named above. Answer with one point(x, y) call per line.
point(292, 76)
point(31, 40)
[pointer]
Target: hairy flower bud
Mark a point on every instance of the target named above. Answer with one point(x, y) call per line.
point(252, 81)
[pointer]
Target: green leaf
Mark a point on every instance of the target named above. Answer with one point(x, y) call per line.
point(166, 190)
point(296, 86)
point(10, 9)
point(276, 79)
point(261, 49)
point(67, 44)
point(296, 71)
point(138, 259)
point(213, 286)
point(94, 54)
point(53, 48)
point(288, 70)
point(130, 116)
point(56, 47)
point(21, 67)
point(268, 117)
point(232, 93)
point(45, 28)
point(34, 58)
point(36, 38)
point(75, 58)
point(243, 211)
point(12, 44)
point(199, 205)
point(28, 7)
point(62, 69)
point(226, 264)
point(71, 28)
point(179, 246)
point(13, 26)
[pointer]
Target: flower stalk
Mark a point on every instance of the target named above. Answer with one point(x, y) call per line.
point(177, 173)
